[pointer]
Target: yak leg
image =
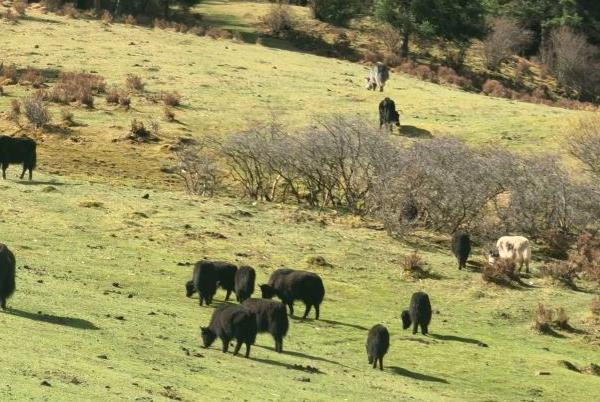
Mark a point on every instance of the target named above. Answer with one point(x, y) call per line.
point(415, 327)
point(4, 167)
point(306, 310)
point(317, 311)
point(381, 363)
point(238, 345)
point(247, 349)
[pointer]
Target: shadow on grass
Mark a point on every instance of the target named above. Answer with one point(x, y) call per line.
point(415, 132)
point(416, 376)
point(77, 323)
point(303, 355)
point(45, 183)
point(455, 338)
point(39, 19)
point(418, 340)
point(306, 369)
point(332, 322)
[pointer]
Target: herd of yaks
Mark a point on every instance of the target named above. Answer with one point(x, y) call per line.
point(241, 322)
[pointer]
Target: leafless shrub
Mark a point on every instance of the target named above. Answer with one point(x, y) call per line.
point(573, 60)
point(198, 166)
point(278, 20)
point(15, 111)
point(391, 38)
point(171, 98)
point(107, 17)
point(134, 83)
point(441, 184)
point(67, 117)
point(112, 95)
point(73, 86)
point(169, 115)
point(9, 74)
point(69, 10)
point(413, 266)
point(36, 112)
point(562, 319)
point(11, 16)
point(139, 133)
point(561, 272)
point(584, 143)
point(543, 318)
point(505, 39)
point(33, 77)
point(130, 20)
point(124, 100)
point(587, 255)
point(20, 7)
point(542, 198)
point(494, 88)
point(501, 272)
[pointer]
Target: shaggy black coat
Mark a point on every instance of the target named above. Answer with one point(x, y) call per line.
point(230, 322)
point(290, 285)
point(244, 283)
point(378, 343)
point(461, 248)
point(204, 281)
point(17, 150)
point(7, 274)
point(225, 276)
point(388, 114)
point(271, 317)
point(418, 313)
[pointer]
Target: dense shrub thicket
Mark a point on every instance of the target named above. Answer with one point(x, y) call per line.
point(441, 184)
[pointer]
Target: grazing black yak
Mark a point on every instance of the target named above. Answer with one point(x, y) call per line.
point(225, 276)
point(208, 275)
point(17, 150)
point(418, 313)
point(7, 274)
point(388, 115)
point(244, 283)
point(461, 248)
point(378, 342)
point(204, 281)
point(230, 322)
point(290, 285)
point(271, 317)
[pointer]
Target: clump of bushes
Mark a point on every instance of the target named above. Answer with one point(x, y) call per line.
point(414, 265)
point(35, 111)
point(169, 115)
point(278, 20)
point(198, 166)
point(171, 98)
point(561, 272)
point(138, 132)
point(15, 111)
point(33, 77)
point(75, 86)
point(586, 258)
point(494, 88)
point(546, 319)
point(8, 74)
point(501, 272)
point(134, 83)
point(118, 96)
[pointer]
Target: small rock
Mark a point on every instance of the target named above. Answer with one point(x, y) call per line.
point(146, 196)
point(542, 373)
point(45, 383)
point(303, 379)
point(120, 317)
point(116, 284)
point(130, 296)
point(482, 345)
point(40, 281)
point(103, 357)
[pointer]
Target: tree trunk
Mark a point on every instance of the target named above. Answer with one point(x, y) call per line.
point(404, 48)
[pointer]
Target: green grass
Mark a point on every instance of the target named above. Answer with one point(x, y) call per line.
point(84, 226)
point(73, 240)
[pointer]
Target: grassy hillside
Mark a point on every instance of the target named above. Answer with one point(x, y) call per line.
point(75, 240)
point(227, 85)
point(100, 310)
